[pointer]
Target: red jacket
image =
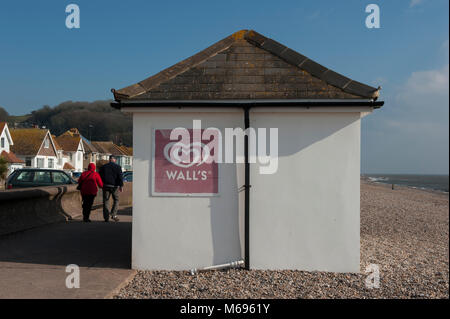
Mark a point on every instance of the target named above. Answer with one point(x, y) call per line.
point(90, 181)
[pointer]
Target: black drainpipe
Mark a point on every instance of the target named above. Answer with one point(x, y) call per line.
point(247, 190)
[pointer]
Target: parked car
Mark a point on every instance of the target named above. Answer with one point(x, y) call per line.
point(127, 176)
point(29, 177)
point(76, 175)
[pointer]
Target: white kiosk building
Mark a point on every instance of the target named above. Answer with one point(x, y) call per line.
point(304, 216)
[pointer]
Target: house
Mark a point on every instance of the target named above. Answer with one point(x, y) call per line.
point(91, 154)
point(72, 146)
point(304, 215)
point(123, 154)
point(35, 147)
point(125, 159)
point(6, 142)
point(62, 161)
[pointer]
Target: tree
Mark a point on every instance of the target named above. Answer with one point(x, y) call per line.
point(3, 168)
point(3, 115)
point(97, 120)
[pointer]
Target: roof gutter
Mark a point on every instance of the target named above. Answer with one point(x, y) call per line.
point(246, 103)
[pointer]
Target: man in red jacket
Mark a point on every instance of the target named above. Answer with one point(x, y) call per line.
point(89, 182)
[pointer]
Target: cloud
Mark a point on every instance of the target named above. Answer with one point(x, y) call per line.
point(424, 83)
point(414, 3)
point(410, 133)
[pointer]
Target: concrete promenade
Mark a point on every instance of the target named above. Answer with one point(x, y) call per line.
point(33, 262)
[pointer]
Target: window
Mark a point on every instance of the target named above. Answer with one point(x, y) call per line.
point(79, 156)
point(70, 156)
point(25, 176)
point(46, 143)
point(60, 159)
point(60, 178)
point(28, 161)
point(50, 163)
point(42, 177)
point(127, 160)
point(40, 162)
point(3, 143)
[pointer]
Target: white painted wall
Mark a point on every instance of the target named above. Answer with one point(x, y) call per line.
point(46, 161)
point(77, 159)
point(179, 233)
point(4, 136)
point(13, 167)
point(306, 216)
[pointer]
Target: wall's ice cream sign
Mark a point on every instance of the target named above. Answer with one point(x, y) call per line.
point(185, 161)
point(185, 166)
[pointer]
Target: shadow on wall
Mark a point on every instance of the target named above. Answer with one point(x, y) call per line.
point(227, 216)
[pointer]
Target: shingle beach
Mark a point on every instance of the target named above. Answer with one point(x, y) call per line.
point(404, 231)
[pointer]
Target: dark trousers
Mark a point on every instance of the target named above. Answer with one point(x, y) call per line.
point(88, 200)
point(109, 192)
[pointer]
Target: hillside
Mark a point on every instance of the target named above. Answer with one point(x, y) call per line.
point(96, 120)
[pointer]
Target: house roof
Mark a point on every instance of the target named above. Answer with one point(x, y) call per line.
point(246, 65)
point(128, 151)
point(57, 146)
point(70, 140)
point(68, 166)
point(89, 147)
point(3, 126)
point(109, 147)
point(11, 158)
point(27, 141)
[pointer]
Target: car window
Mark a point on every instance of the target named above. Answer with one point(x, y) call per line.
point(60, 178)
point(25, 176)
point(42, 177)
point(12, 175)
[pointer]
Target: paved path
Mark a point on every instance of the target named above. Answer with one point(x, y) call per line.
point(33, 262)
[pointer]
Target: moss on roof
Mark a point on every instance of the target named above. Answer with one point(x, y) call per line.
point(27, 141)
point(70, 140)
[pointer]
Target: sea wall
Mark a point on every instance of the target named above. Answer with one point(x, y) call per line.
point(26, 208)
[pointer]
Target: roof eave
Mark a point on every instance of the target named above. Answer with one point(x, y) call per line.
point(247, 103)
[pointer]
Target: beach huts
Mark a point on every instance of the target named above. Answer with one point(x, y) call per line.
point(302, 213)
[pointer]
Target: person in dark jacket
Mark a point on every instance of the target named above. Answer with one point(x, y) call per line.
point(112, 178)
point(89, 182)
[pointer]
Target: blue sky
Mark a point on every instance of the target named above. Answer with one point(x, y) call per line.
point(121, 42)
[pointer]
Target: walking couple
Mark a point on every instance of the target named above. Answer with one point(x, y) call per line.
point(110, 180)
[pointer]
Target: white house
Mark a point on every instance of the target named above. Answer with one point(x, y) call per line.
point(72, 149)
point(6, 142)
point(304, 215)
point(35, 147)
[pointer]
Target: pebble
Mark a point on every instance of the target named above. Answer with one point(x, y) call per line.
point(405, 231)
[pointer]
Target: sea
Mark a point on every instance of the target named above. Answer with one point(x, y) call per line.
point(425, 182)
